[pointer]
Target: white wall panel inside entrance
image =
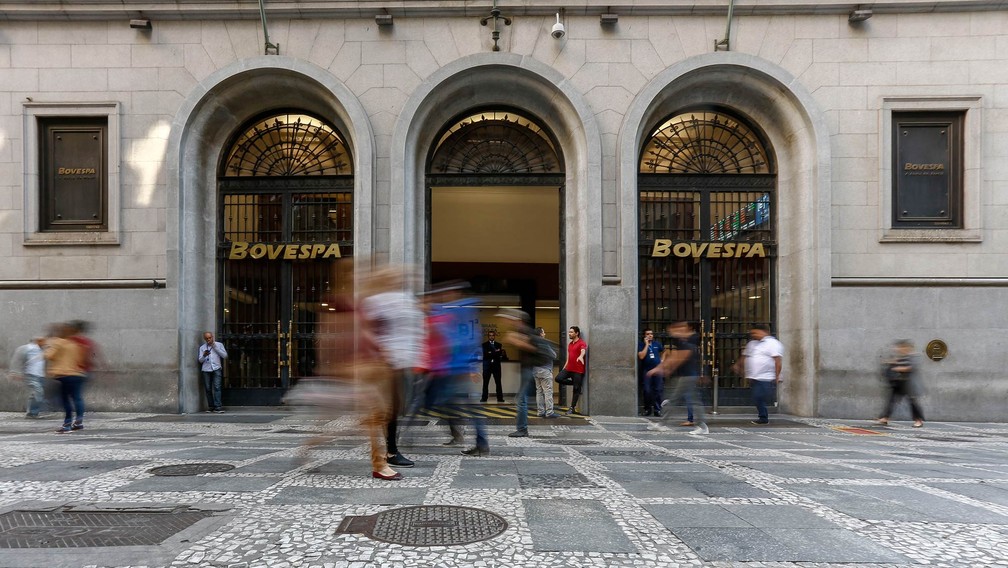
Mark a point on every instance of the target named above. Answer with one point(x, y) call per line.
point(495, 224)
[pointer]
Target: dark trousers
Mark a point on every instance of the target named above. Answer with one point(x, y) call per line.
point(495, 372)
point(392, 429)
point(71, 388)
point(573, 379)
point(763, 396)
point(897, 390)
point(654, 393)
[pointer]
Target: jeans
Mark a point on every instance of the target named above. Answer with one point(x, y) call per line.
point(212, 388)
point(71, 387)
point(544, 393)
point(36, 395)
point(521, 400)
point(763, 394)
point(654, 393)
point(686, 389)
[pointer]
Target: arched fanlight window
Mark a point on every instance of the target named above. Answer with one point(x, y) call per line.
point(704, 143)
point(288, 144)
point(495, 142)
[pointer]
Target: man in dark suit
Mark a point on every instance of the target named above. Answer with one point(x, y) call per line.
point(493, 354)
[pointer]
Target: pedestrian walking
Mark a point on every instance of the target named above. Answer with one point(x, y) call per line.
point(543, 377)
point(761, 362)
point(65, 363)
point(683, 361)
point(211, 356)
point(28, 365)
point(533, 351)
point(901, 375)
point(573, 373)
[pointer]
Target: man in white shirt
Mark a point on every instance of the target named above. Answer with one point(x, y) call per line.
point(211, 357)
point(28, 363)
point(762, 361)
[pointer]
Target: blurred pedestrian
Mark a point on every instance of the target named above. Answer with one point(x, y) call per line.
point(532, 352)
point(543, 376)
point(65, 363)
point(683, 360)
point(397, 322)
point(573, 372)
point(761, 362)
point(89, 349)
point(28, 364)
point(493, 355)
point(901, 374)
point(650, 353)
point(211, 359)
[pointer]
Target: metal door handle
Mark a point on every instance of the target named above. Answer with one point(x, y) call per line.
point(280, 362)
point(290, 348)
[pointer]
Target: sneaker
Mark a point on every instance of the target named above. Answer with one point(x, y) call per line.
point(759, 422)
point(551, 415)
point(77, 426)
point(656, 427)
point(541, 414)
point(64, 430)
point(30, 415)
point(218, 411)
point(918, 423)
point(518, 434)
point(570, 411)
point(476, 451)
point(701, 429)
point(399, 460)
point(453, 442)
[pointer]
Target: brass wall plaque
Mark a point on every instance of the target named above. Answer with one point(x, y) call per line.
point(936, 350)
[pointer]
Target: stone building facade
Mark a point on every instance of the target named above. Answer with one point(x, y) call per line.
point(819, 99)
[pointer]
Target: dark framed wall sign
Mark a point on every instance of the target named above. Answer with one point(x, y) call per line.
point(73, 185)
point(927, 170)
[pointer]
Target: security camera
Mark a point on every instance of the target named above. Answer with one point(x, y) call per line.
point(558, 29)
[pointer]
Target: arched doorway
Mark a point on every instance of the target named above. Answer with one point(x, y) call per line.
point(285, 215)
point(706, 238)
point(495, 201)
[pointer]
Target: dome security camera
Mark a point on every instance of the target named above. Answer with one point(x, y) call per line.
point(558, 29)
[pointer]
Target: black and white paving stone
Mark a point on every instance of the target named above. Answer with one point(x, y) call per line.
point(598, 492)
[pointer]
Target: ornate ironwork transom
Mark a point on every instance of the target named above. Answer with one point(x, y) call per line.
point(704, 143)
point(495, 143)
point(288, 145)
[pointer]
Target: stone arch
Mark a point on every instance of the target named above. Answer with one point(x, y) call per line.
point(486, 80)
point(774, 100)
point(211, 112)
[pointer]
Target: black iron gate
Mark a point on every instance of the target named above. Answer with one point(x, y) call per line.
point(706, 256)
point(285, 220)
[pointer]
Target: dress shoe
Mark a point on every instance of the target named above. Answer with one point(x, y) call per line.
point(453, 442)
point(476, 451)
point(518, 434)
point(759, 422)
point(378, 475)
point(399, 460)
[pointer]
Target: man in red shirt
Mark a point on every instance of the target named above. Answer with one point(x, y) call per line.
point(574, 370)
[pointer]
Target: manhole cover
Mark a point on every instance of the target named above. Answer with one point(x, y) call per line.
point(190, 469)
point(64, 528)
point(566, 442)
point(427, 525)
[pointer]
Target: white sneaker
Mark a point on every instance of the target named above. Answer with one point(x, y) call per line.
point(656, 427)
point(701, 429)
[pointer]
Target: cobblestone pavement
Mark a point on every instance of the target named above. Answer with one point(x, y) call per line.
point(586, 492)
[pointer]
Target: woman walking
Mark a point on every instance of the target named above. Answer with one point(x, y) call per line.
point(901, 373)
point(66, 364)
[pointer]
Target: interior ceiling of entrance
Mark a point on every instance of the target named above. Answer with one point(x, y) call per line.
point(495, 224)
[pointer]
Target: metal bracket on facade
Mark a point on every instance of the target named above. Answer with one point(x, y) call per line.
point(494, 32)
point(725, 44)
point(274, 46)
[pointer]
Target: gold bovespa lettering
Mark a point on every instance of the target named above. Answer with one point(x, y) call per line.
point(661, 248)
point(910, 166)
point(665, 247)
point(290, 252)
point(75, 171)
point(257, 251)
point(239, 250)
point(332, 251)
point(316, 250)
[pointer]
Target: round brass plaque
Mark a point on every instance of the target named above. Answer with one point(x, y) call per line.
point(936, 350)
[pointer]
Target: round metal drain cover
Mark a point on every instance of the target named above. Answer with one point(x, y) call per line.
point(427, 525)
point(190, 469)
point(566, 442)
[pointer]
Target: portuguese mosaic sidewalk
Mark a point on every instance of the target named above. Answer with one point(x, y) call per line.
point(234, 490)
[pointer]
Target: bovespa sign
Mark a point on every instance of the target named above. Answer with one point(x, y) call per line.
point(283, 251)
point(666, 247)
